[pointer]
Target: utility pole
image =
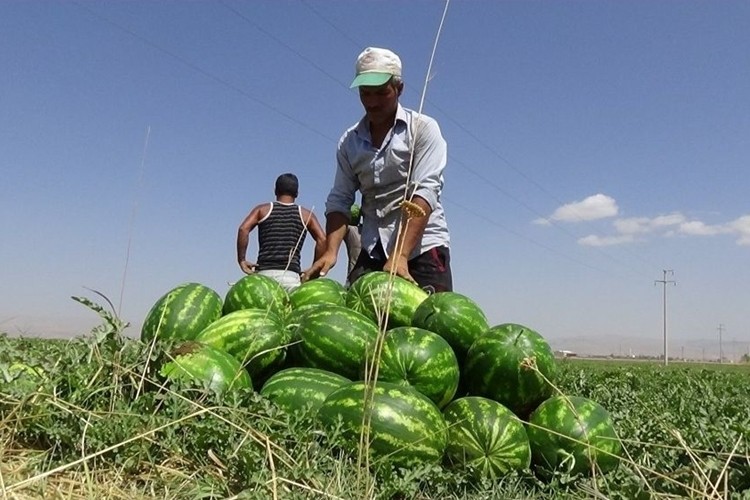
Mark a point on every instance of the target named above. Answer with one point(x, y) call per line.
point(721, 351)
point(664, 282)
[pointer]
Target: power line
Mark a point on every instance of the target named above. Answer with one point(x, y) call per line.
point(282, 43)
point(499, 156)
point(526, 177)
point(664, 281)
point(525, 238)
point(312, 129)
point(204, 72)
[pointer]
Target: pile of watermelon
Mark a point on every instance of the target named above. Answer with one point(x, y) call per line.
point(422, 378)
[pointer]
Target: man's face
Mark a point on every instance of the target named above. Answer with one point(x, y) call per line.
point(380, 102)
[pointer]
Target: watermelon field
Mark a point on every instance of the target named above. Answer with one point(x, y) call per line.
point(376, 391)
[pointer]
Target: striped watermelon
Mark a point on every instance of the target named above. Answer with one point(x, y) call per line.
point(256, 291)
point(291, 324)
point(406, 428)
point(455, 317)
point(295, 389)
point(255, 337)
point(372, 292)
point(574, 434)
point(182, 313)
point(214, 368)
point(497, 367)
point(336, 339)
point(422, 359)
point(485, 437)
point(318, 291)
point(293, 319)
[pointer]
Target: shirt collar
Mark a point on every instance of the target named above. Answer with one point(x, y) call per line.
point(363, 127)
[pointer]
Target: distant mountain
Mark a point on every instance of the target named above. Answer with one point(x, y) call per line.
point(695, 349)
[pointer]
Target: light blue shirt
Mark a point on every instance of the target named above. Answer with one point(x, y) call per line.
point(381, 176)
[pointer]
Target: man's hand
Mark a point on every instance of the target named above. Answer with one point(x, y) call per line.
point(400, 264)
point(247, 267)
point(320, 267)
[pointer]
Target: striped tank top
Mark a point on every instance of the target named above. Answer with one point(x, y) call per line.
point(281, 235)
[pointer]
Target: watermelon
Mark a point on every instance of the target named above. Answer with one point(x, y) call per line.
point(255, 337)
point(405, 427)
point(573, 434)
point(256, 291)
point(296, 389)
point(420, 358)
point(455, 317)
point(336, 339)
point(485, 437)
point(372, 292)
point(291, 323)
point(182, 313)
point(318, 291)
point(294, 318)
point(497, 367)
point(214, 368)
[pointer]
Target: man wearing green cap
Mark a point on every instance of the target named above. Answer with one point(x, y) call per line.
point(392, 155)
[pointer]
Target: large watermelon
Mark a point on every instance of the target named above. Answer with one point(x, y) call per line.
point(485, 437)
point(296, 389)
point(499, 366)
point(336, 339)
point(376, 293)
point(182, 313)
point(256, 291)
point(214, 368)
point(255, 337)
point(405, 427)
point(453, 316)
point(420, 358)
point(294, 317)
point(318, 291)
point(574, 434)
point(291, 323)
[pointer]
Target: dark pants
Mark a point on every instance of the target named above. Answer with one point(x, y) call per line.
point(431, 269)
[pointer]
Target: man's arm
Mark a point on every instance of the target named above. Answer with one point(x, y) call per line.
point(336, 224)
point(410, 234)
point(430, 158)
point(316, 231)
point(243, 236)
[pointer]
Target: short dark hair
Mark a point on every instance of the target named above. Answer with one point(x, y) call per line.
point(287, 184)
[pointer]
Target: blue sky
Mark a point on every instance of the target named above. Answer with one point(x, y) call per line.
point(592, 145)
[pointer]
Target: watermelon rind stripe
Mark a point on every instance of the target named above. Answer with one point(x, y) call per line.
point(405, 427)
point(336, 339)
point(486, 437)
point(564, 426)
point(215, 368)
point(255, 337)
point(300, 388)
point(182, 313)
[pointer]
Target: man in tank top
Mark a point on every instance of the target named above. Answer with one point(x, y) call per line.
point(282, 228)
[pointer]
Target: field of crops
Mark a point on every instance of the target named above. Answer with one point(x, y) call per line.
point(85, 419)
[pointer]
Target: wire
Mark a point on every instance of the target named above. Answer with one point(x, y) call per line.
point(132, 219)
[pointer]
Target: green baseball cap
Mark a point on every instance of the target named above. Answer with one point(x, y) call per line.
point(375, 66)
